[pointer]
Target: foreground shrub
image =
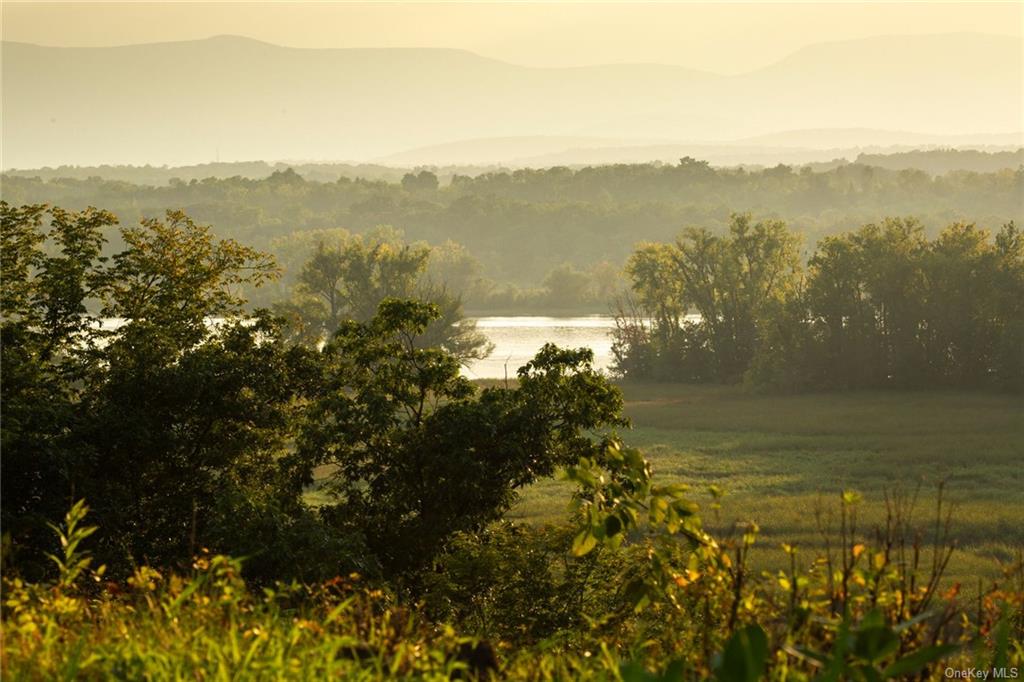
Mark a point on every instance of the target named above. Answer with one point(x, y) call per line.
point(638, 591)
point(869, 608)
point(208, 625)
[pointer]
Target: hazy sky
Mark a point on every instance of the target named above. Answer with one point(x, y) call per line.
point(723, 37)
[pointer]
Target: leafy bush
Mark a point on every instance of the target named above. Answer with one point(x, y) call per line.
point(635, 591)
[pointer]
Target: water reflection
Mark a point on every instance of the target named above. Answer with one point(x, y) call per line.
point(517, 339)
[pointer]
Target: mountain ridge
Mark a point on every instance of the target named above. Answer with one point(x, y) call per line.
point(242, 39)
point(235, 98)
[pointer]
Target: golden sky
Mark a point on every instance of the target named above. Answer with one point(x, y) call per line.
point(721, 37)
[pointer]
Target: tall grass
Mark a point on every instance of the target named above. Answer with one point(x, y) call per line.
point(863, 610)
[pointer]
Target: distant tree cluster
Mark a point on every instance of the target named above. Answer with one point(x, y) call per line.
point(879, 306)
point(254, 170)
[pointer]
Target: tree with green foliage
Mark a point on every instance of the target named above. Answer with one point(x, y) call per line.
point(734, 282)
point(567, 286)
point(354, 277)
point(136, 380)
point(884, 306)
point(419, 454)
point(424, 181)
point(48, 354)
point(1009, 304)
point(841, 311)
point(348, 279)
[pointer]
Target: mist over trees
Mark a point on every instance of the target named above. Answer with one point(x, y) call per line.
point(523, 225)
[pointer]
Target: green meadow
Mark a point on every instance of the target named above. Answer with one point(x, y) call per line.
point(783, 459)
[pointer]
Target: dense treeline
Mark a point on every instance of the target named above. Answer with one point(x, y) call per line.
point(522, 225)
point(162, 175)
point(879, 306)
point(932, 160)
point(195, 429)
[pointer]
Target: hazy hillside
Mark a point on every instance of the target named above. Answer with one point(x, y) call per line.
point(873, 138)
point(232, 98)
point(505, 149)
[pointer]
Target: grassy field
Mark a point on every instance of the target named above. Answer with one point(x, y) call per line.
point(781, 457)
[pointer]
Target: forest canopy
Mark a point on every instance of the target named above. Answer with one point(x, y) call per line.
point(521, 226)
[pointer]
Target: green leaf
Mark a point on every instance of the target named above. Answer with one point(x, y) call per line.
point(583, 542)
point(744, 657)
point(635, 672)
point(875, 643)
point(915, 661)
point(637, 594)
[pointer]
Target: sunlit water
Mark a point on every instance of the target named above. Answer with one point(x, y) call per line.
point(517, 339)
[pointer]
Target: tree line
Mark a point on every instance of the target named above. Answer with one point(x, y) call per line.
point(881, 306)
point(522, 225)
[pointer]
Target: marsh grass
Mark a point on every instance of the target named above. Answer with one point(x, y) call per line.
point(781, 458)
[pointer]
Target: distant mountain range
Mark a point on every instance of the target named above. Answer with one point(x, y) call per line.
point(231, 98)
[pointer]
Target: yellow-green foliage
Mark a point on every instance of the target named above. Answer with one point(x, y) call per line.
point(690, 609)
point(210, 626)
point(863, 610)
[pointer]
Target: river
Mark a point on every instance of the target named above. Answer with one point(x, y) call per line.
point(516, 340)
